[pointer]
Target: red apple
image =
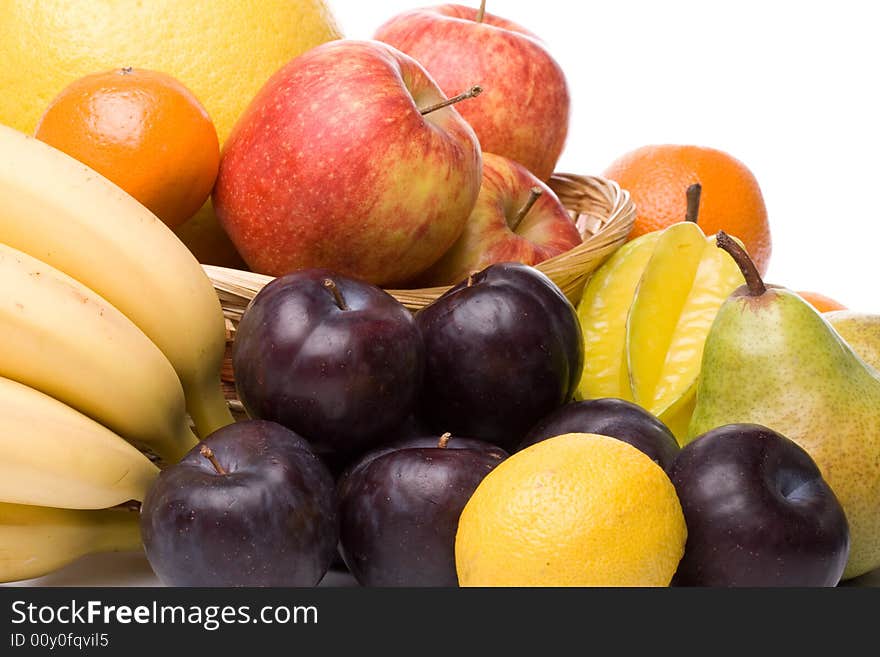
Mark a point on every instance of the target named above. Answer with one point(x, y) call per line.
point(523, 113)
point(517, 218)
point(333, 165)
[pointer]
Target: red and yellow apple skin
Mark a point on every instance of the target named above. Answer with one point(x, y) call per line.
point(524, 110)
point(492, 234)
point(332, 165)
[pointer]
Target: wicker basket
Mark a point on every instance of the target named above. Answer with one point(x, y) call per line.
point(603, 212)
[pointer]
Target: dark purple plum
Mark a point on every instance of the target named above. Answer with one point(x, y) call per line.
point(503, 349)
point(336, 360)
point(251, 505)
point(758, 512)
point(399, 508)
point(610, 417)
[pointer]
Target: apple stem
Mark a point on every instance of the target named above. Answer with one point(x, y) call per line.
point(208, 453)
point(534, 194)
point(444, 440)
point(473, 92)
point(330, 284)
point(470, 280)
point(743, 261)
point(481, 12)
point(694, 192)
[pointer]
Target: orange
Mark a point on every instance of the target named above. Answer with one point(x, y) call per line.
point(821, 303)
point(658, 178)
point(143, 130)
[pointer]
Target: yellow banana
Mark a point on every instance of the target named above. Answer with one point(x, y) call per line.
point(52, 455)
point(61, 338)
point(67, 215)
point(35, 540)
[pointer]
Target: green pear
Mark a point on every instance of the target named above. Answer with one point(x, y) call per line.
point(771, 359)
point(861, 332)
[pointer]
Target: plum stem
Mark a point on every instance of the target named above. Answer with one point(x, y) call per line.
point(481, 12)
point(330, 284)
point(743, 261)
point(473, 92)
point(444, 440)
point(694, 192)
point(534, 194)
point(208, 453)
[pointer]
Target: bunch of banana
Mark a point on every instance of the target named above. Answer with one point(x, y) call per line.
point(61, 212)
point(111, 341)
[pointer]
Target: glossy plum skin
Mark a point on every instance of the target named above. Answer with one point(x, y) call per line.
point(399, 508)
point(339, 377)
point(758, 512)
point(269, 521)
point(610, 417)
point(502, 350)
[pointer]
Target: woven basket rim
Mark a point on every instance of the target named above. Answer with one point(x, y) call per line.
point(604, 208)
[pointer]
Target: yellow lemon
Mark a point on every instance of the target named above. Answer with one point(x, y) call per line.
point(223, 50)
point(575, 510)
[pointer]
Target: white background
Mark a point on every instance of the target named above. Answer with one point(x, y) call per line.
point(790, 88)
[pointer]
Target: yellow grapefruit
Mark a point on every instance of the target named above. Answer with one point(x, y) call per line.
point(223, 50)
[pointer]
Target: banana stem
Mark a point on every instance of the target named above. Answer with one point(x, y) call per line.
point(208, 409)
point(117, 530)
point(174, 450)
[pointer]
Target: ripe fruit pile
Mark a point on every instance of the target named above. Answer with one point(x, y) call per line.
point(683, 423)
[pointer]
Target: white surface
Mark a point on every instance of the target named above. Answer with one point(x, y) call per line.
point(788, 88)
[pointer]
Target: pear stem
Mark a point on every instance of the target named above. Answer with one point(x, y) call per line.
point(208, 453)
point(743, 261)
point(444, 440)
point(481, 12)
point(330, 284)
point(534, 194)
point(473, 92)
point(694, 192)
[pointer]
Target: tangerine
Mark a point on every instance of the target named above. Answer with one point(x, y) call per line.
point(657, 177)
point(142, 129)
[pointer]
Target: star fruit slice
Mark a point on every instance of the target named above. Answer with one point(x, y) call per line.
point(678, 296)
point(602, 311)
